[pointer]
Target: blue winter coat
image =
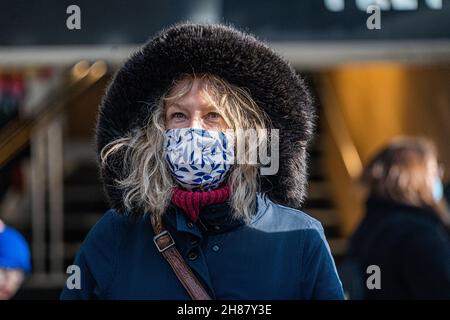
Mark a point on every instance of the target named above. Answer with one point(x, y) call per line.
point(281, 254)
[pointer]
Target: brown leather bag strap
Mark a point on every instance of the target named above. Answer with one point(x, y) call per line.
point(166, 245)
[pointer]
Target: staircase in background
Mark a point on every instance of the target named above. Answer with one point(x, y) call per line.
point(318, 203)
point(84, 205)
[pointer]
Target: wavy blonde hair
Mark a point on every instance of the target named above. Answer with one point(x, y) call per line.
point(149, 184)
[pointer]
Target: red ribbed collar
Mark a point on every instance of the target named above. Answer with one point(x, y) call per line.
point(192, 202)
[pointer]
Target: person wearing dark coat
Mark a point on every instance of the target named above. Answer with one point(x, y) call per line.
point(168, 143)
point(404, 232)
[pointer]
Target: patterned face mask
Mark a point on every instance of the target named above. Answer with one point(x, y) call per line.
point(198, 159)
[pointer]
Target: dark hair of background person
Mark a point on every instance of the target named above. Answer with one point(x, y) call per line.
point(403, 172)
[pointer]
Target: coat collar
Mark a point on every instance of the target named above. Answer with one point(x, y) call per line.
point(213, 219)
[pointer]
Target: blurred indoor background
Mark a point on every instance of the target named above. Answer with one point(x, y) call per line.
point(370, 86)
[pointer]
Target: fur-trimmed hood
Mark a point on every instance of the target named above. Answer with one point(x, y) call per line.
point(234, 55)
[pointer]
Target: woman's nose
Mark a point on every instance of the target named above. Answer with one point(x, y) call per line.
point(196, 122)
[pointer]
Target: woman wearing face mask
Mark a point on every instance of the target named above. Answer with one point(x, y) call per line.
point(188, 220)
point(405, 230)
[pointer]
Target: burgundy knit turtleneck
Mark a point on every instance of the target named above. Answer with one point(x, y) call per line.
point(193, 201)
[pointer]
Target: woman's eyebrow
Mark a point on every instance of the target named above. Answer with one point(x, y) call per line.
point(209, 107)
point(176, 105)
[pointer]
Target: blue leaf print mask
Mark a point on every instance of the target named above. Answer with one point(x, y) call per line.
point(198, 159)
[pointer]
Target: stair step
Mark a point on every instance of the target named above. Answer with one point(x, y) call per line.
point(74, 235)
point(82, 197)
point(315, 146)
point(81, 193)
point(326, 216)
point(85, 174)
point(80, 151)
point(316, 171)
point(71, 249)
point(320, 203)
point(318, 190)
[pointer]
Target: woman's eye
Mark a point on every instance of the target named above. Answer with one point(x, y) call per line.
point(213, 116)
point(178, 116)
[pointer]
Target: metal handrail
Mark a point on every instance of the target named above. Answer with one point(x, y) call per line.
point(18, 132)
point(339, 132)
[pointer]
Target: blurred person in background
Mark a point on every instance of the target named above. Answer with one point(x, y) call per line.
point(14, 261)
point(447, 193)
point(405, 230)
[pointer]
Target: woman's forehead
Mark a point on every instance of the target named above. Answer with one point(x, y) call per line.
point(185, 97)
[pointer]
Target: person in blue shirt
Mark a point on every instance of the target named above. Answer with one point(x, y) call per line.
point(14, 261)
point(177, 135)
